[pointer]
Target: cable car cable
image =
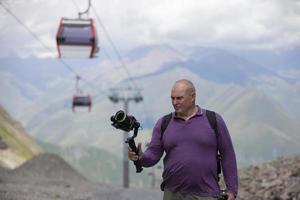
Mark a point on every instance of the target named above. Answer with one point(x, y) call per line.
point(62, 61)
point(114, 47)
point(42, 43)
point(103, 49)
point(116, 52)
point(109, 38)
point(34, 35)
point(111, 42)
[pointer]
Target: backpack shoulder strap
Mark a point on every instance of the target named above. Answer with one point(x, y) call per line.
point(211, 116)
point(164, 124)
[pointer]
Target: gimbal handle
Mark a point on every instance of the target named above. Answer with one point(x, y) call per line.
point(133, 147)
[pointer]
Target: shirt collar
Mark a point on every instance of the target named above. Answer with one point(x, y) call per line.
point(199, 112)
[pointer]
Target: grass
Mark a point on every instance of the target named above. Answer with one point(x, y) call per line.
point(14, 143)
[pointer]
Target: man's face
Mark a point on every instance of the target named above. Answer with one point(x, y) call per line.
point(182, 99)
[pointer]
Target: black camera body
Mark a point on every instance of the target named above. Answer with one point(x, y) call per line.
point(124, 122)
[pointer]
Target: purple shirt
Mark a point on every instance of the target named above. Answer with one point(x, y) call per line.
point(190, 162)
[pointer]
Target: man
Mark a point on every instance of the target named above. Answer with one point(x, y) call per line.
point(190, 144)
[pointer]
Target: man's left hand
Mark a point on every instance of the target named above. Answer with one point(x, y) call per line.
point(230, 196)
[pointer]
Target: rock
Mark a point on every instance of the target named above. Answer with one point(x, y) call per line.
point(278, 179)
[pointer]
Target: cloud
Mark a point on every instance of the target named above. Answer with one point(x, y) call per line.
point(247, 24)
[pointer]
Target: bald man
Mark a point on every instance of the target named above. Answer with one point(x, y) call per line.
point(190, 144)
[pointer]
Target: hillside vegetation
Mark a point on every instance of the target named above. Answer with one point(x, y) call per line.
point(16, 145)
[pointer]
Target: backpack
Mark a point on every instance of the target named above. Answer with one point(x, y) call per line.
point(211, 116)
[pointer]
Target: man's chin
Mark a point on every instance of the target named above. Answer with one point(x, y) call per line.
point(178, 112)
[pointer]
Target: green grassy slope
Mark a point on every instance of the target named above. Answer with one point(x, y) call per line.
point(20, 146)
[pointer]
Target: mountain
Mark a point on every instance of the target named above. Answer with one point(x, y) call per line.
point(284, 62)
point(47, 177)
point(222, 66)
point(284, 59)
point(257, 103)
point(97, 164)
point(253, 117)
point(42, 73)
point(16, 95)
point(261, 129)
point(16, 146)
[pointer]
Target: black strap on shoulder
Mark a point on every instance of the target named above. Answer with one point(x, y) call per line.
point(164, 124)
point(211, 116)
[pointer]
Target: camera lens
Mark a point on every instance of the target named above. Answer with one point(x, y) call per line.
point(120, 116)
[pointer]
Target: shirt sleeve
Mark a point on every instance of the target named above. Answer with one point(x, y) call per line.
point(228, 159)
point(155, 150)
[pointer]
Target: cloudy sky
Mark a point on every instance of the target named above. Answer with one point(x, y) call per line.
point(238, 24)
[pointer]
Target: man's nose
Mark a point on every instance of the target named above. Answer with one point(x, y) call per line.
point(175, 101)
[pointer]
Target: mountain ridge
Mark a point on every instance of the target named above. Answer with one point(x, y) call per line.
point(50, 117)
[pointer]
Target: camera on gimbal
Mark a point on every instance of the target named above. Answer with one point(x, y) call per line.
point(128, 123)
point(124, 122)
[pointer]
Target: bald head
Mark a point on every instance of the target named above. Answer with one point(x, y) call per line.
point(185, 84)
point(183, 97)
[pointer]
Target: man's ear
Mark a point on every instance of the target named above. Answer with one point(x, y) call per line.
point(194, 95)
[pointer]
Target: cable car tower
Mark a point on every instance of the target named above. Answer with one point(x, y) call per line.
point(79, 99)
point(77, 38)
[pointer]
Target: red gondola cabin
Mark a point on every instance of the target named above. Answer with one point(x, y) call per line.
point(76, 38)
point(82, 101)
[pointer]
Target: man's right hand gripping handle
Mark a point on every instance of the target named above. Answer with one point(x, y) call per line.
point(133, 154)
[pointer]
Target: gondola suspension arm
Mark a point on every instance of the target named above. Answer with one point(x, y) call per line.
point(86, 11)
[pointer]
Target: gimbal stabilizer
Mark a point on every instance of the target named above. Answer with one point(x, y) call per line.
point(127, 123)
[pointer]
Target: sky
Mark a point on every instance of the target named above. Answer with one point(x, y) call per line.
point(230, 24)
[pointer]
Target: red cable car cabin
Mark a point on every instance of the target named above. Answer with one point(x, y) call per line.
point(82, 101)
point(76, 38)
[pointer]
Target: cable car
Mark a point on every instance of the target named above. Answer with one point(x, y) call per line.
point(82, 101)
point(76, 38)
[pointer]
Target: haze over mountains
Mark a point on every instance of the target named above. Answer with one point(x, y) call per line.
point(259, 100)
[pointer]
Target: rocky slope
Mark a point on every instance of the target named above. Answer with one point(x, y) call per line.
point(16, 146)
point(278, 179)
point(48, 177)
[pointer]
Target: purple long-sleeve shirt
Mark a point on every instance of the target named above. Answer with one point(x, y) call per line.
point(190, 163)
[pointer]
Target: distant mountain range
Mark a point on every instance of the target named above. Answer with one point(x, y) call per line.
point(259, 102)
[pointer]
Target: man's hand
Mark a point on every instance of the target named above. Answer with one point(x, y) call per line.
point(132, 155)
point(230, 196)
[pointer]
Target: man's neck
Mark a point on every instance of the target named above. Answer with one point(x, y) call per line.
point(192, 112)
